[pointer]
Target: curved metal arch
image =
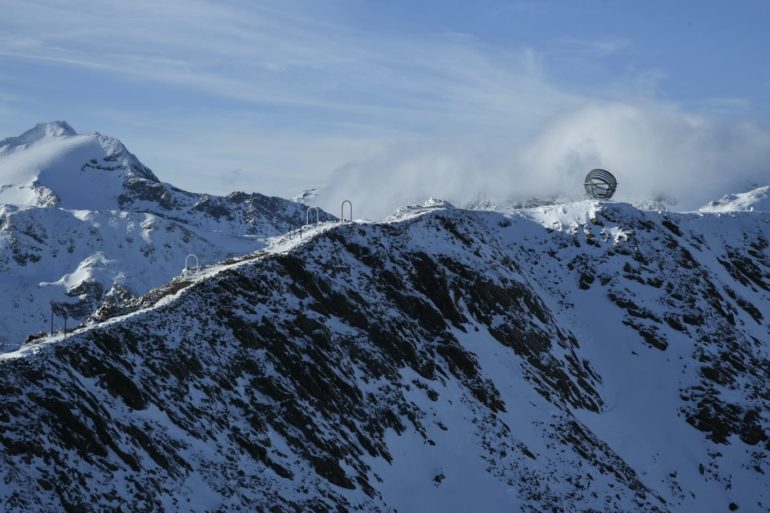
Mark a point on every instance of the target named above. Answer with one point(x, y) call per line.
point(307, 215)
point(342, 211)
point(187, 261)
point(600, 184)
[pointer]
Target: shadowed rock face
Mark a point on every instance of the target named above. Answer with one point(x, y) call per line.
point(289, 381)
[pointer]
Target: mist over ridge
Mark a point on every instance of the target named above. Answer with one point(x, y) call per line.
point(658, 152)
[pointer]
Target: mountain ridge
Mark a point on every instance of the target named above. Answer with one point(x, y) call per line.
point(581, 357)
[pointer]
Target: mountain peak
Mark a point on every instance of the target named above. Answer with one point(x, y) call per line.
point(757, 199)
point(52, 129)
point(52, 165)
point(39, 132)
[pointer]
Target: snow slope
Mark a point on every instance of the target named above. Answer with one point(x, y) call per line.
point(757, 199)
point(82, 220)
point(52, 165)
point(576, 357)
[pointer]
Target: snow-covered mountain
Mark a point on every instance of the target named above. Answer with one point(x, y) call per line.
point(575, 357)
point(757, 199)
point(82, 220)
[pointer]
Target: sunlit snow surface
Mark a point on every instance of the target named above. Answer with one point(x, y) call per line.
point(755, 200)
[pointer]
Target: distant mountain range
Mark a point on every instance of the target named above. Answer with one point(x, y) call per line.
point(83, 221)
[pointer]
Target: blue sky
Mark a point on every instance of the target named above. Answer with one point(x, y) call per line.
point(387, 102)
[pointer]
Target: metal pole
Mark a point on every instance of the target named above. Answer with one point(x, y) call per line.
point(51, 321)
point(65, 323)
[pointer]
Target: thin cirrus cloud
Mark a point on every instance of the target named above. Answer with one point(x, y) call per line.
point(302, 96)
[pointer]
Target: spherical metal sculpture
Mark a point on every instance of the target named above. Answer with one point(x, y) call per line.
point(600, 184)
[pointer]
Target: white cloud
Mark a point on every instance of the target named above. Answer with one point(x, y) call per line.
point(654, 149)
point(278, 55)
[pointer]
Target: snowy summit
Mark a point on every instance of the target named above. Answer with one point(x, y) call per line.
point(51, 165)
point(754, 200)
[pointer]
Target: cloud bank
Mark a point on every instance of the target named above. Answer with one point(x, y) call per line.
point(657, 151)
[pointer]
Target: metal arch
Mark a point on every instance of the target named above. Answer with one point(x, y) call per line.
point(187, 260)
point(600, 184)
point(342, 211)
point(307, 215)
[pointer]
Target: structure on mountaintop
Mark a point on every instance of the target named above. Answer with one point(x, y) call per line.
point(600, 184)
